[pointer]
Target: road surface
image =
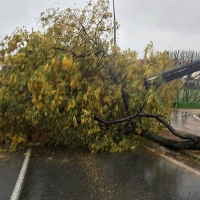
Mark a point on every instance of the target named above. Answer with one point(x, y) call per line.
point(10, 165)
point(61, 173)
point(186, 120)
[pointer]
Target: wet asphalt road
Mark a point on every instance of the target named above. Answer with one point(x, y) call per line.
point(10, 166)
point(184, 120)
point(61, 173)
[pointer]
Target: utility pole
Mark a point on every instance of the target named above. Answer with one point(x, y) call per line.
point(114, 20)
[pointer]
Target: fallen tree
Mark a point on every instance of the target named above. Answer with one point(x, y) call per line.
point(55, 81)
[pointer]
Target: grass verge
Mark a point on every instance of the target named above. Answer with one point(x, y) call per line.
point(185, 105)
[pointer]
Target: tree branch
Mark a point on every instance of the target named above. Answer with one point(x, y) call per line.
point(154, 116)
point(172, 143)
point(79, 55)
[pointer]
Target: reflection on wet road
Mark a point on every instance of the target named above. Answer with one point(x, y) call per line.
point(69, 174)
point(185, 120)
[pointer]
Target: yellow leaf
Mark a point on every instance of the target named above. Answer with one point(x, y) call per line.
point(75, 122)
point(34, 100)
point(73, 82)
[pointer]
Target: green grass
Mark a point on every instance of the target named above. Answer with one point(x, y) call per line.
point(186, 105)
point(192, 105)
point(191, 98)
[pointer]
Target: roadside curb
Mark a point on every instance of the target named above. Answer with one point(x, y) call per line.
point(192, 155)
point(179, 163)
point(18, 186)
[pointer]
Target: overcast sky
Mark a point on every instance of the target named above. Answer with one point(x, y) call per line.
point(170, 24)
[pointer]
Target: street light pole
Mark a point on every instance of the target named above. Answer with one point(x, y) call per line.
point(114, 19)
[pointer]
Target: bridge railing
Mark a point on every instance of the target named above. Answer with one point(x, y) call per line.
point(174, 73)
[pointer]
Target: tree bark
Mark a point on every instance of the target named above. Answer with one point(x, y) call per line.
point(172, 143)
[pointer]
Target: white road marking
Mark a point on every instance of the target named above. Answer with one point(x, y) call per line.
point(18, 186)
point(195, 116)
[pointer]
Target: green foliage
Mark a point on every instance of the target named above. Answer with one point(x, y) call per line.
point(191, 103)
point(187, 105)
point(189, 95)
point(55, 81)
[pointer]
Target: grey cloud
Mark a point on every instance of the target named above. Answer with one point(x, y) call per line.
point(168, 23)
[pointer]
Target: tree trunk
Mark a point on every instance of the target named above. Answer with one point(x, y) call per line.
point(172, 143)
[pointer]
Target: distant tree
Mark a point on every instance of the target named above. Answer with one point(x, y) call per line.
point(182, 57)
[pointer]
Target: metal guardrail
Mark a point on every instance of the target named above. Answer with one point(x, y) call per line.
point(175, 73)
